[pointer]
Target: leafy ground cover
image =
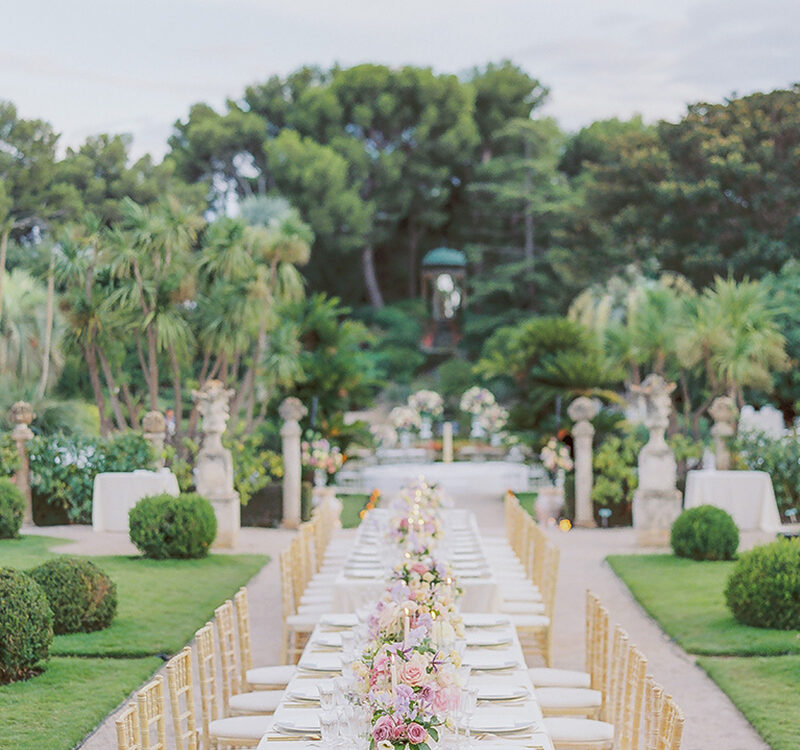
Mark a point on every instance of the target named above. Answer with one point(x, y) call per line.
point(161, 604)
point(526, 500)
point(352, 505)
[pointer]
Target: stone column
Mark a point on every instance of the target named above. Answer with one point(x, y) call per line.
point(291, 412)
point(155, 432)
point(657, 502)
point(22, 415)
point(724, 413)
point(582, 410)
point(213, 472)
point(447, 442)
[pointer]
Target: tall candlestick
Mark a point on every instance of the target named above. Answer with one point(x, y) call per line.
point(394, 676)
point(405, 627)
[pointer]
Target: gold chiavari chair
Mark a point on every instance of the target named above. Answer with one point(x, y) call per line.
point(297, 626)
point(150, 702)
point(270, 677)
point(235, 702)
point(128, 732)
point(664, 720)
point(181, 699)
point(232, 731)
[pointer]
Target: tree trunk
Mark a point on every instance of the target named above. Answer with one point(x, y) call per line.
point(48, 326)
point(97, 388)
point(3, 254)
point(152, 366)
point(116, 407)
point(177, 392)
point(413, 244)
point(370, 278)
point(133, 408)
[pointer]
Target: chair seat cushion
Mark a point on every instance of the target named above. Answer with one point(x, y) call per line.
point(566, 697)
point(257, 702)
point(564, 730)
point(241, 727)
point(550, 677)
point(279, 675)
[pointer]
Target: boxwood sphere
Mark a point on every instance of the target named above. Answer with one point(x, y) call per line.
point(26, 625)
point(12, 508)
point(764, 588)
point(83, 598)
point(163, 526)
point(705, 533)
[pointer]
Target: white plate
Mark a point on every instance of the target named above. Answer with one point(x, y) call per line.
point(484, 620)
point(490, 660)
point(498, 720)
point(339, 620)
point(494, 689)
point(297, 721)
point(321, 663)
point(304, 690)
point(486, 638)
point(328, 640)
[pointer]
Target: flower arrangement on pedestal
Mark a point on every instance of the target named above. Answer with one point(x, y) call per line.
point(476, 401)
point(405, 419)
point(555, 458)
point(326, 459)
point(428, 404)
point(493, 419)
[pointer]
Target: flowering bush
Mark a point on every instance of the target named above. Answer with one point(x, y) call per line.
point(429, 403)
point(476, 400)
point(320, 454)
point(405, 418)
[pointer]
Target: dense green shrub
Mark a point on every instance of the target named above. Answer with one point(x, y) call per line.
point(12, 508)
point(780, 457)
point(764, 587)
point(26, 625)
point(162, 526)
point(63, 468)
point(705, 533)
point(83, 598)
point(9, 456)
point(615, 474)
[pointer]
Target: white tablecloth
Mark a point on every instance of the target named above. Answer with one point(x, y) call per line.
point(115, 493)
point(747, 495)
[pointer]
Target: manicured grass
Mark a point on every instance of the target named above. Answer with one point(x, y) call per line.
point(526, 500)
point(687, 599)
point(352, 505)
point(56, 709)
point(766, 691)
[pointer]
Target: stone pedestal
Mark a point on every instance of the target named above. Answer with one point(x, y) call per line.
point(657, 502)
point(154, 427)
point(291, 411)
point(447, 442)
point(582, 410)
point(549, 504)
point(724, 412)
point(213, 472)
point(22, 415)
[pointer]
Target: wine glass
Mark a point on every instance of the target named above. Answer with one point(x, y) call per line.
point(329, 729)
point(469, 704)
point(327, 695)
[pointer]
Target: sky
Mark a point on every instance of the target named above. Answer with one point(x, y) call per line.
point(92, 66)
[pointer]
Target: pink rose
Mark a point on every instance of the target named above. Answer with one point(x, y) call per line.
point(416, 733)
point(383, 729)
point(398, 730)
point(412, 674)
point(420, 568)
point(427, 692)
point(444, 700)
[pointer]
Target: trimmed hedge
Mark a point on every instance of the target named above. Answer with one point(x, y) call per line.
point(163, 526)
point(705, 533)
point(12, 509)
point(83, 598)
point(26, 625)
point(764, 588)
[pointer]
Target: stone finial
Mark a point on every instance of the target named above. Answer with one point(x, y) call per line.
point(292, 409)
point(724, 412)
point(723, 409)
point(154, 423)
point(582, 409)
point(22, 413)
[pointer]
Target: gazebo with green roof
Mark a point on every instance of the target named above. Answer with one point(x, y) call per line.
point(444, 277)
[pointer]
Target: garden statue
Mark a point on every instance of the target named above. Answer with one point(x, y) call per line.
point(724, 412)
point(155, 431)
point(213, 472)
point(22, 415)
point(657, 502)
point(582, 410)
point(291, 411)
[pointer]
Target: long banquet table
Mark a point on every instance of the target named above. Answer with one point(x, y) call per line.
point(508, 714)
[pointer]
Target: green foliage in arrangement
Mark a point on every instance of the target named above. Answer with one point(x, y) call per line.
point(780, 457)
point(705, 533)
point(12, 508)
point(163, 526)
point(764, 588)
point(26, 625)
point(63, 468)
point(83, 598)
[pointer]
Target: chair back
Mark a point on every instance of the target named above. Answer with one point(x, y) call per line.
point(152, 721)
point(629, 729)
point(615, 678)
point(597, 655)
point(181, 700)
point(128, 733)
point(207, 677)
point(243, 628)
point(287, 584)
point(229, 674)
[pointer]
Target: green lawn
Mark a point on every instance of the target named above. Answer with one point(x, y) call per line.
point(686, 597)
point(352, 505)
point(161, 604)
point(767, 692)
point(526, 500)
point(56, 709)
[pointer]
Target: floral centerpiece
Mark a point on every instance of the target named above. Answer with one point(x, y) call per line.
point(384, 435)
point(493, 419)
point(428, 404)
point(326, 459)
point(555, 458)
point(405, 419)
point(475, 400)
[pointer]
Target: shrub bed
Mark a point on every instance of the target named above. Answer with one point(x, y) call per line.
point(26, 625)
point(12, 508)
point(764, 587)
point(705, 533)
point(83, 598)
point(163, 526)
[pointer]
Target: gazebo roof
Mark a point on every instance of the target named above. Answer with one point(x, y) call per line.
point(444, 256)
